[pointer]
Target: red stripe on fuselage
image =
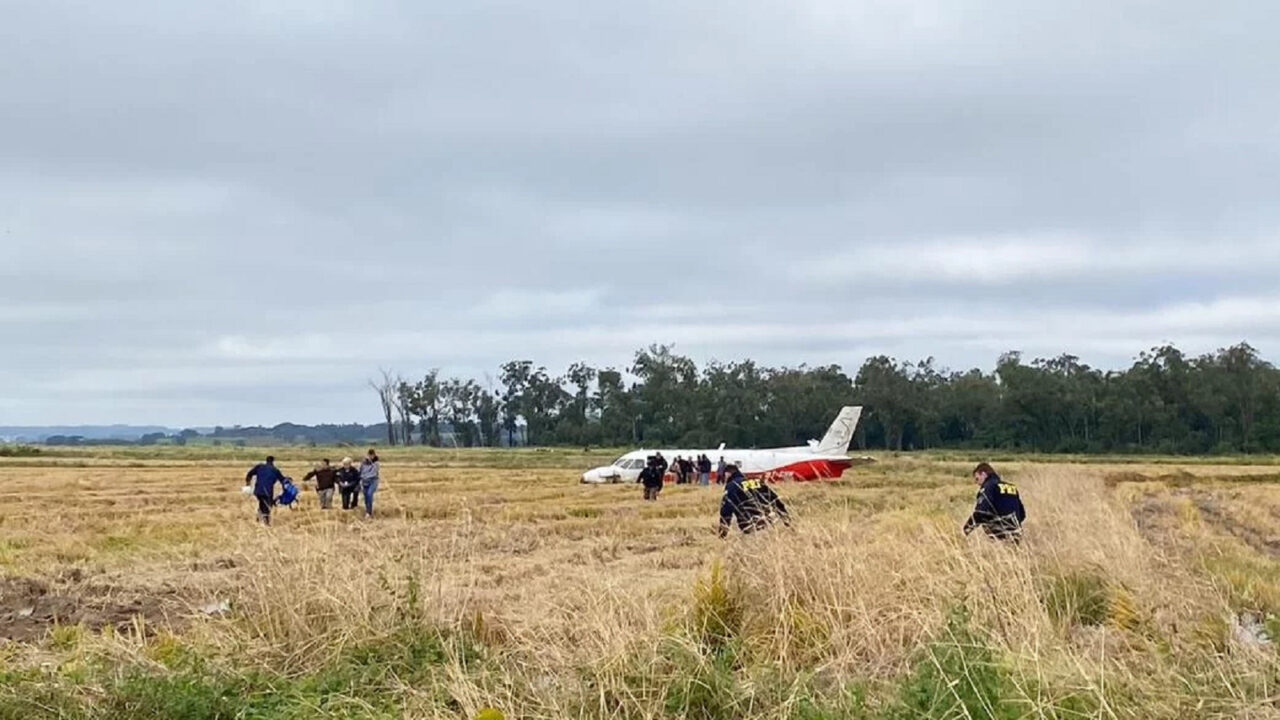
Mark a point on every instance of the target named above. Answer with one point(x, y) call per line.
point(816, 469)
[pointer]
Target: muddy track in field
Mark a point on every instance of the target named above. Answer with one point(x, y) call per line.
point(29, 607)
point(1212, 511)
point(1148, 515)
point(1155, 517)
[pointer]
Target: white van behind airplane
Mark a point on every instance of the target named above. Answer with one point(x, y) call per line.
point(819, 460)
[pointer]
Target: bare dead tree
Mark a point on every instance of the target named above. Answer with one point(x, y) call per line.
point(386, 388)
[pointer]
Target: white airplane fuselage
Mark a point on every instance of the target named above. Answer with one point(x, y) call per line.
point(820, 460)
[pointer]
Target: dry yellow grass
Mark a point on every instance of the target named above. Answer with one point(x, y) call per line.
point(1133, 597)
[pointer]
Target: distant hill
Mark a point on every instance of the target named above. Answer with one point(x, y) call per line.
point(294, 434)
point(39, 433)
point(253, 435)
point(282, 434)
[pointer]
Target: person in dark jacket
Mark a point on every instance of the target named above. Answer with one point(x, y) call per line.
point(349, 485)
point(704, 470)
point(264, 475)
point(998, 508)
point(326, 477)
point(686, 470)
point(661, 463)
point(751, 502)
point(651, 478)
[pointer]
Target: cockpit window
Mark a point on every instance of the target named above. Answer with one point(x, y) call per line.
point(631, 464)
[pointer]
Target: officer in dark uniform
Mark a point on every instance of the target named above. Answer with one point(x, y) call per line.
point(651, 478)
point(751, 502)
point(264, 476)
point(662, 464)
point(998, 508)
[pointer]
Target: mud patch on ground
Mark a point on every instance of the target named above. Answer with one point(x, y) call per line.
point(224, 562)
point(1160, 517)
point(1153, 517)
point(1216, 515)
point(30, 606)
point(1183, 478)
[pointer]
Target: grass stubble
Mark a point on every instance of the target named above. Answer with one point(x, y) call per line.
point(1139, 593)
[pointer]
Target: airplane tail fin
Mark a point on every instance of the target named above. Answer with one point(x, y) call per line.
point(840, 434)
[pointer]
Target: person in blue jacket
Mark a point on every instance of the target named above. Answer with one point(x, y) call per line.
point(369, 480)
point(751, 502)
point(998, 508)
point(264, 476)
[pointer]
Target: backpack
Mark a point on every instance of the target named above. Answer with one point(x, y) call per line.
point(288, 492)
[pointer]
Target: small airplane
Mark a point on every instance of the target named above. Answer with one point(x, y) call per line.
point(819, 460)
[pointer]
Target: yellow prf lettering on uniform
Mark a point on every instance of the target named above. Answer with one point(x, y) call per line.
point(750, 484)
point(1007, 489)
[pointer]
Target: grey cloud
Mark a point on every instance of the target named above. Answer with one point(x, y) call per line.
point(237, 213)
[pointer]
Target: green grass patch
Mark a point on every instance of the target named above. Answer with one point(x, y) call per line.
point(960, 676)
point(704, 686)
point(1076, 598)
point(116, 542)
point(719, 610)
point(366, 681)
point(10, 548)
point(1250, 580)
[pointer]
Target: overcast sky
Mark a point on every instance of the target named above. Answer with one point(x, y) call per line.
point(238, 213)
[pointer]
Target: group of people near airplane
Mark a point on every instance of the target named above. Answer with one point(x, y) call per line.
point(695, 469)
point(750, 502)
point(691, 470)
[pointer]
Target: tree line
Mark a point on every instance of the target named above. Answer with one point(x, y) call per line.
point(1165, 402)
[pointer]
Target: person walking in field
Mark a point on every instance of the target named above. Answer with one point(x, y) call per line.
point(326, 478)
point(264, 476)
point(998, 508)
point(704, 470)
point(751, 502)
point(720, 468)
point(369, 480)
point(686, 470)
point(651, 479)
point(661, 463)
point(348, 478)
